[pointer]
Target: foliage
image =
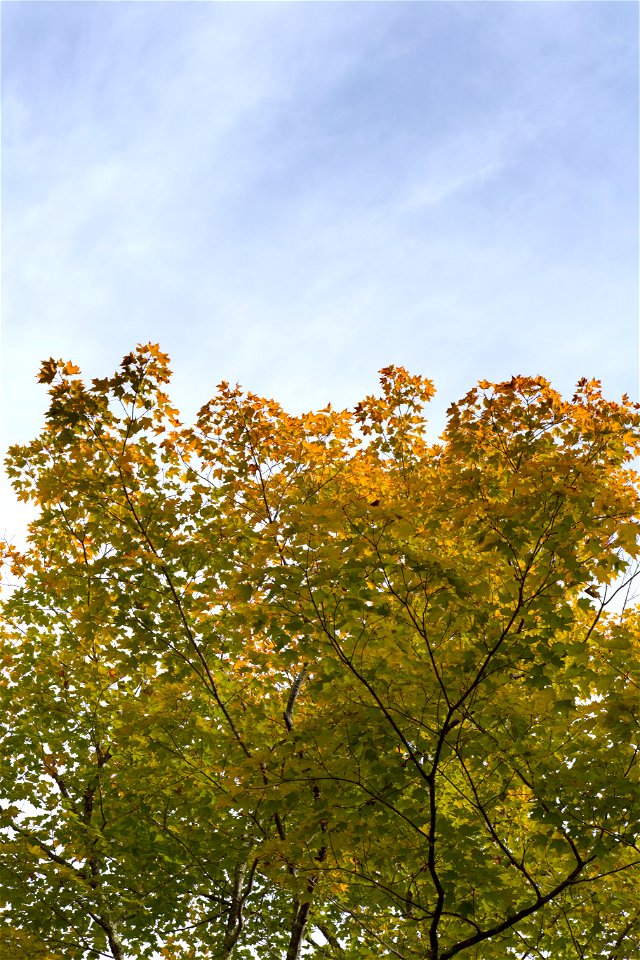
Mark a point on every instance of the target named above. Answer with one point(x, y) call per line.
point(287, 686)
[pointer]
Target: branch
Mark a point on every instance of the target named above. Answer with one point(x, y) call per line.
point(520, 915)
point(295, 690)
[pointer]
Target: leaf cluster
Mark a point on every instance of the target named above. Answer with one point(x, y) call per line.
point(312, 685)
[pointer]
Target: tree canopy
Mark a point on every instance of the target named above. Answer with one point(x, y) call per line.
point(286, 686)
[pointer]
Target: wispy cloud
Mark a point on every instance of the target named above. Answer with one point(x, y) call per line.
point(293, 195)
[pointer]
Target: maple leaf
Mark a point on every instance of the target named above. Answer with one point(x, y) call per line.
point(48, 370)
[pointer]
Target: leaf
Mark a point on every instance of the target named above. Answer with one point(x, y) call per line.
point(48, 370)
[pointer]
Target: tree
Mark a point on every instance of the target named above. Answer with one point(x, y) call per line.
point(288, 686)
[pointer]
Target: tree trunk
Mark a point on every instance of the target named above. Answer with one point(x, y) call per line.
point(234, 920)
point(298, 927)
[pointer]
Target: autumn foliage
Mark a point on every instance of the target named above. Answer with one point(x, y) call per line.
point(287, 686)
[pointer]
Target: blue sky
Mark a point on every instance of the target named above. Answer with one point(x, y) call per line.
point(293, 195)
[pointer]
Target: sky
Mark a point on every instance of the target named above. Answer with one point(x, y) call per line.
point(292, 195)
